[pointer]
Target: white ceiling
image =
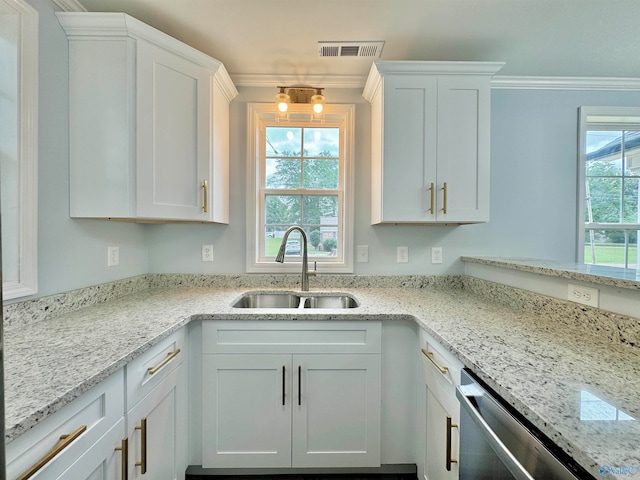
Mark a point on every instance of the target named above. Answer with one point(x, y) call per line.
point(277, 39)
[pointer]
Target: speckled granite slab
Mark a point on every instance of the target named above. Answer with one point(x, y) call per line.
point(22, 313)
point(547, 363)
point(19, 314)
point(607, 325)
point(603, 275)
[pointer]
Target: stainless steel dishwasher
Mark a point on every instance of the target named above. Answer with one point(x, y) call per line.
point(498, 444)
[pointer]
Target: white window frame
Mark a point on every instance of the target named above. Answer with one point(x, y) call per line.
point(259, 115)
point(26, 180)
point(609, 116)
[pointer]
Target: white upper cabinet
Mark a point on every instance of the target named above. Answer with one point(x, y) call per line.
point(149, 123)
point(430, 141)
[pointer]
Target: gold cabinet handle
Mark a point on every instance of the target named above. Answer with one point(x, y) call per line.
point(205, 203)
point(444, 197)
point(448, 453)
point(143, 445)
point(63, 443)
point(124, 448)
point(170, 356)
point(429, 355)
point(432, 194)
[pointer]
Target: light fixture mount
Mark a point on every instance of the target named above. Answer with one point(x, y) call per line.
point(300, 94)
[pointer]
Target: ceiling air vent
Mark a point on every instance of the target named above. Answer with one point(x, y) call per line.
point(350, 49)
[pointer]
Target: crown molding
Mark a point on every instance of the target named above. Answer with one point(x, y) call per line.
point(565, 83)
point(70, 5)
point(497, 82)
point(327, 81)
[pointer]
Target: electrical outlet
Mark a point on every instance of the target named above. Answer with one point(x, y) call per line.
point(207, 253)
point(436, 255)
point(403, 255)
point(585, 295)
point(113, 256)
point(362, 253)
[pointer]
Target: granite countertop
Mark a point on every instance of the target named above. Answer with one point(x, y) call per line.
point(599, 274)
point(577, 385)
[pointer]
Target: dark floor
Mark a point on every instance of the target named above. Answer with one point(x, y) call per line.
point(385, 472)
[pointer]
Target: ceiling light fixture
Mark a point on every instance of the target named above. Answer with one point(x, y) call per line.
point(312, 95)
point(282, 100)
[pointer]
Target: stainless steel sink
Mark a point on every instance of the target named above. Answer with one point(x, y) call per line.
point(293, 300)
point(330, 301)
point(268, 300)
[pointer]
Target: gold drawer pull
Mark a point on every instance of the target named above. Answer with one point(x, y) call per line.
point(124, 448)
point(63, 443)
point(143, 446)
point(170, 356)
point(429, 355)
point(448, 453)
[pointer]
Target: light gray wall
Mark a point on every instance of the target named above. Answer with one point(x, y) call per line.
point(71, 253)
point(533, 191)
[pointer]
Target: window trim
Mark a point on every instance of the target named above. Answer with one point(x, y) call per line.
point(257, 113)
point(27, 143)
point(583, 127)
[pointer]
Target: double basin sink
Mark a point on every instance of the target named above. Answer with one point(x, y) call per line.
point(294, 300)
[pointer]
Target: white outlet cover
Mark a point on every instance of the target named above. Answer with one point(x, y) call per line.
point(436, 255)
point(584, 295)
point(402, 255)
point(113, 256)
point(207, 253)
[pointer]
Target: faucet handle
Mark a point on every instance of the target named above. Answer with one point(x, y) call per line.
point(315, 269)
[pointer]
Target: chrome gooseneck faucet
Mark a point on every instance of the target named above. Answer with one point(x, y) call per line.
point(305, 264)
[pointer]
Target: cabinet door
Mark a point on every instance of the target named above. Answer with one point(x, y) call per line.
point(100, 462)
point(173, 135)
point(164, 441)
point(409, 147)
point(438, 450)
point(336, 410)
point(463, 148)
point(246, 411)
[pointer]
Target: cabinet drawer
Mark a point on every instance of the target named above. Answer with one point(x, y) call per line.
point(291, 337)
point(441, 370)
point(150, 368)
point(97, 410)
point(102, 460)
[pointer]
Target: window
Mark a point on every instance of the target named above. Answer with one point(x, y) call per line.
point(609, 186)
point(300, 174)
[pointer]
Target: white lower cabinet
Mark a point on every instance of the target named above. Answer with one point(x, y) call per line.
point(443, 439)
point(439, 417)
point(96, 436)
point(247, 410)
point(278, 394)
point(91, 423)
point(271, 404)
point(156, 442)
point(103, 461)
point(156, 411)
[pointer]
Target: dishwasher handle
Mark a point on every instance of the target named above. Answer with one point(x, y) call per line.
point(500, 449)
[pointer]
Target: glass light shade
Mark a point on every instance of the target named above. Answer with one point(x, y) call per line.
point(318, 103)
point(282, 100)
